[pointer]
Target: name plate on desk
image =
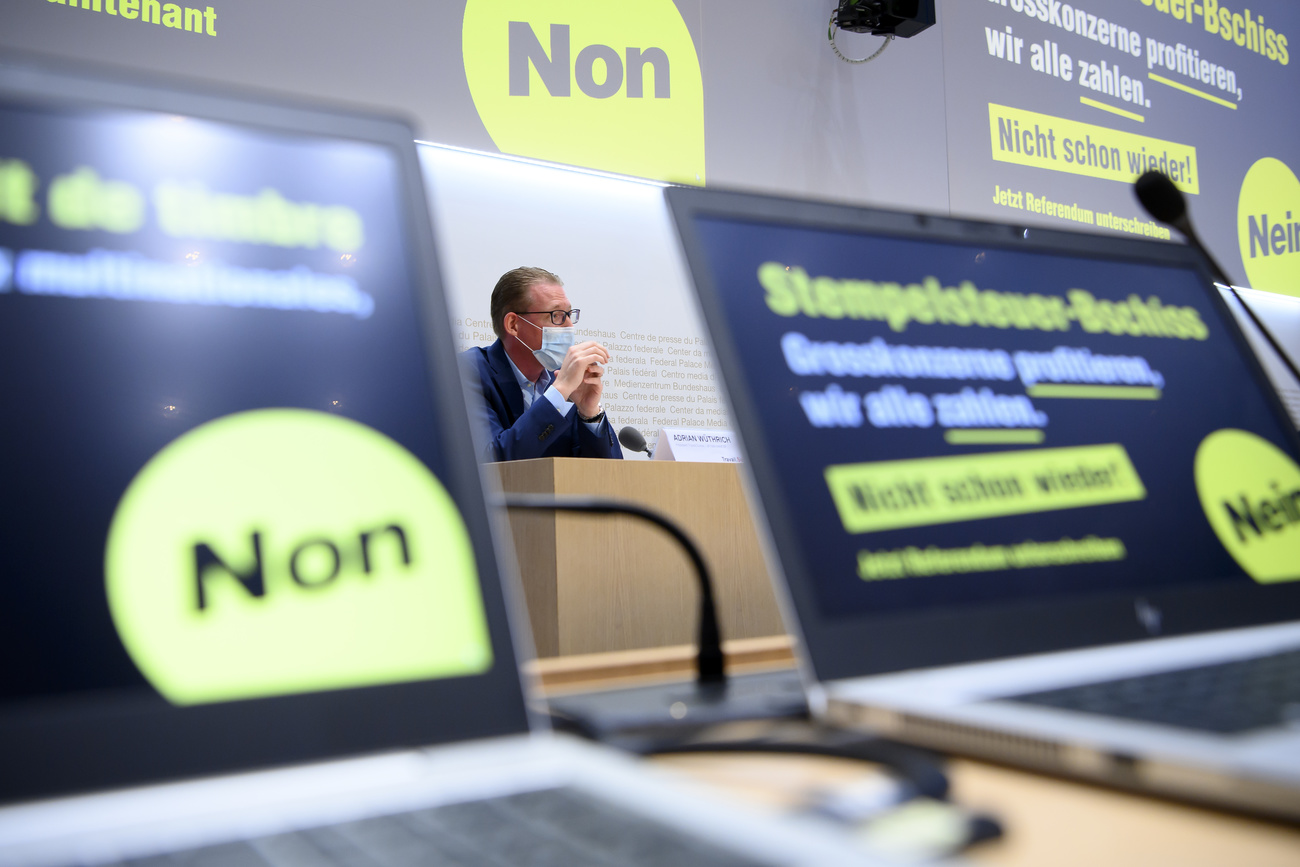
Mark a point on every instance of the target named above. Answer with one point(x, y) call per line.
point(700, 446)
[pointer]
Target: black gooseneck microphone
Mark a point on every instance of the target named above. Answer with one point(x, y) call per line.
point(633, 439)
point(710, 666)
point(1165, 202)
point(642, 728)
point(776, 709)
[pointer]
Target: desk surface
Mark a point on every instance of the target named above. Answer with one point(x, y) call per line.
point(1048, 821)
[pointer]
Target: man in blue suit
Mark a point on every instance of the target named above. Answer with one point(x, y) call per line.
point(541, 391)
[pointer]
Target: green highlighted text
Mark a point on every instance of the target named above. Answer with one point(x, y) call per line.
point(915, 493)
point(913, 562)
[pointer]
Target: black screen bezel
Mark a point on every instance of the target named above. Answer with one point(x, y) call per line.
point(865, 645)
point(89, 742)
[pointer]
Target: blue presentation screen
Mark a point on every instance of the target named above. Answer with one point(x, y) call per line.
point(227, 474)
point(950, 424)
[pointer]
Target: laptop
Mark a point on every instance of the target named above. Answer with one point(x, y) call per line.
point(1030, 492)
point(251, 609)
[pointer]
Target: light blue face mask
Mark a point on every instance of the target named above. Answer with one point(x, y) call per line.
point(556, 341)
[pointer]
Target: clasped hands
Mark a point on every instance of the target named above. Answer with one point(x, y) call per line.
point(580, 377)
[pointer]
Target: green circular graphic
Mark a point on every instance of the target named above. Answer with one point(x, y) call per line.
point(282, 551)
point(1250, 491)
point(613, 86)
point(1268, 227)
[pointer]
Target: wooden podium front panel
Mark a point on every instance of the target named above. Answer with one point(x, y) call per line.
point(598, 583)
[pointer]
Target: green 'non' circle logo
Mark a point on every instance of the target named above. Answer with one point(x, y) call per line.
point(1268, 227)
point(283, 551)
point(613, 86)
point(1250, 491)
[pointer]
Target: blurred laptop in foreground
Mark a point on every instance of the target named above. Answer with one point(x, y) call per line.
point(1031, 493)
point(245, 530)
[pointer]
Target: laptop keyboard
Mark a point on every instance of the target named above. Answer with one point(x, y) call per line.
point(1227, 698)
point(549, 828)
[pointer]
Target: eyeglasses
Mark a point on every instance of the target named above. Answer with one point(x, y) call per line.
point(557, 316)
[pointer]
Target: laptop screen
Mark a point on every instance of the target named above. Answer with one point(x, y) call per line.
point(971, 440)
point(235, 437)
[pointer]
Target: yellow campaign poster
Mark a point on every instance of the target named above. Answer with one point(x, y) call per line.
point(282, 578)
point(1029, 138)
point(612, 86)
point(887, 495)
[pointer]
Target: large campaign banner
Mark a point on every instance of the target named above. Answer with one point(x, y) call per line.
point(1032, 112)
point(1054, 108)
point(725, 92)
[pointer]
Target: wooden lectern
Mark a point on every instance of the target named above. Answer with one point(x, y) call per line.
point(599, 583)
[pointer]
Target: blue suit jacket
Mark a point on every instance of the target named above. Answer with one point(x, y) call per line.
point(540, 432)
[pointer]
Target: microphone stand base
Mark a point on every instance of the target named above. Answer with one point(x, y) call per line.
point(666, 711)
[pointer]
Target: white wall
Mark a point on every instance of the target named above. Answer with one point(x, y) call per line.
point(612, 242)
